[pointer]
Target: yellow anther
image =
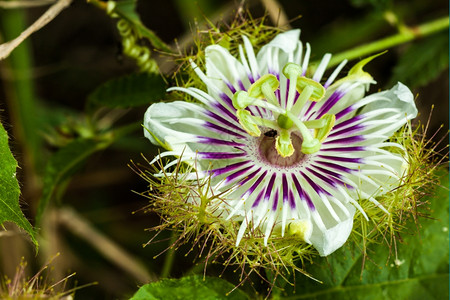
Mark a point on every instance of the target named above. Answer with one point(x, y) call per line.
point(248, 123)
point(318, 91)
point(323, 132)
point(267, 83)
point(283, 144)
point(241, 100)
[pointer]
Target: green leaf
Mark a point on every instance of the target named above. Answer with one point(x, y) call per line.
point(420, 270)
point(127, 9)
point(423, 61)
point(62, 165)
point(9, 188)
point(68, 159)
point(129, 91)
point(189, 288)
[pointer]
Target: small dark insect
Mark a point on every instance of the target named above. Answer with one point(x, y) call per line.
point(271, 133)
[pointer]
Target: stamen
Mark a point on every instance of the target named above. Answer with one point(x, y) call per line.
point(266, 123)
point(313, 124)
point(318, 89)
point(310, 145)
point(250, 123)
point(323, 132)
point(301, 101)
point(265, 87)
point(247, 122)
point(309, 90)
point(292, 72)
point(241, 100)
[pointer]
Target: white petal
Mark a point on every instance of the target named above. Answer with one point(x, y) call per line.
point(221, 65)
point(175, 126)
point(399, 97)
point(354, 91)
point(329, 240)
point(287, 42)
point(335, 73)
point(386, 171)
point(306, 59)
point(251, 57)
point(322, 67)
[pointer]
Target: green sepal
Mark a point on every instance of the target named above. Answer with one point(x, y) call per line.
point(300, 229)
point(357, 72)
point(164, 145)
point(358, 68)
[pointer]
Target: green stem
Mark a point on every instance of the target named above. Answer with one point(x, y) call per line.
point(135, 20)
point(170, 257)
point(20, 90)
point(397, 39)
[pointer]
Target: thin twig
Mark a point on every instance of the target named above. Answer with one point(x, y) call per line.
point(276, 13)
point(108, 248)
point(50, 14)
point(25, 3)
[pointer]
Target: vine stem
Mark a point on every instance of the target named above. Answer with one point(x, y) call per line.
point(170, 257)
point(405, 35)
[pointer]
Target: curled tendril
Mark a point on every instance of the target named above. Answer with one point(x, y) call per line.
point(131, 47)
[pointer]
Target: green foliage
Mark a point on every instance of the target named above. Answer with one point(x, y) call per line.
point(423, 61)
point(416, 269)
point(189, 288)
point(9, 188)
point(70, 158)
point(20, 92)
point(127, 9)
point(63, 164)
point(129, 91)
